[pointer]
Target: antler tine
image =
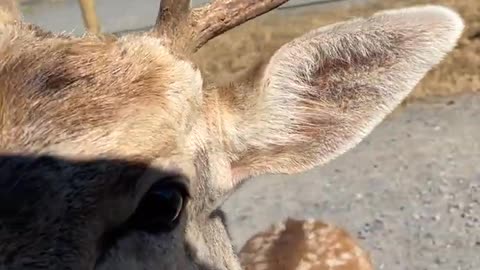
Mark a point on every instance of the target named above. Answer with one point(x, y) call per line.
point(221, 16)
point(189, 29)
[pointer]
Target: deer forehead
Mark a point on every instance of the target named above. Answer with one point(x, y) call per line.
point(89, 96)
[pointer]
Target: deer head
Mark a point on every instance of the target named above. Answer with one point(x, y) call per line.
point(115, 154)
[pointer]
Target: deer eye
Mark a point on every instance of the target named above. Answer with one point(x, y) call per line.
point(160, 209)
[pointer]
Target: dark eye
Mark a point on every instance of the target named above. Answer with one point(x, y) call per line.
point(160, 209)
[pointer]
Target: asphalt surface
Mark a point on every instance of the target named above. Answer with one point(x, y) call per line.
point(410, 192)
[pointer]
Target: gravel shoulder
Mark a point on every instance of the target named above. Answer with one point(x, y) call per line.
point(410, 192)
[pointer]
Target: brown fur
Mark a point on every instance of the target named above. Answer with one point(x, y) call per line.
point(89, 124)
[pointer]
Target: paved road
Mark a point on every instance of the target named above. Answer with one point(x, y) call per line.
point(410, 192)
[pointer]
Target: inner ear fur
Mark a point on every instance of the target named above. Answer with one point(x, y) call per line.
point(323, 92)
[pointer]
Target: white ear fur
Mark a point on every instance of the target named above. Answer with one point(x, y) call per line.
point(440, 26)
point(323, 92)
point(9, 11)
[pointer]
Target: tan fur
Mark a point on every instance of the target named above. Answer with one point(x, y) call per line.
point(9, 11)
point(89, 124)
point(303, 245)
point(89, 15)
point(335, 93)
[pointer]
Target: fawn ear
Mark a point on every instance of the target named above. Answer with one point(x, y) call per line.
point(322, 93)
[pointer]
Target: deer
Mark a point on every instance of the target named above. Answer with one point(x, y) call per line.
point(308, 244)
point(116, 153)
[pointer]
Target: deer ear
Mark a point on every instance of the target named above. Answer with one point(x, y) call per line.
point(324, 92)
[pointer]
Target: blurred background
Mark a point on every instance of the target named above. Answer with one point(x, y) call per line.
point(410, 192)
